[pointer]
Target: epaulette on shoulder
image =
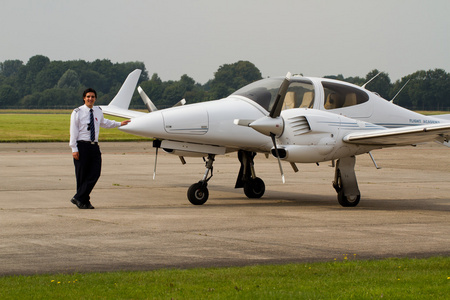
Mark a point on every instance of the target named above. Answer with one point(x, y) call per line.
point(76, 109)
point(100, 107)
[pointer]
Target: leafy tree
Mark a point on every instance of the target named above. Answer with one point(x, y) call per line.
point(49, 76)
point(91, 78)
point(36, 63)
point(10, 67)
point(173, 93)
point(427, 90)
point(69, 80)
point(43, 83)
point(8, 96)
point(230, 77)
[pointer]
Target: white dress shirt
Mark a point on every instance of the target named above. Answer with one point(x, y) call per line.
point(79, 121)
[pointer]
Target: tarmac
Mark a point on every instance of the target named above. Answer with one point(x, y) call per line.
point(143, 224)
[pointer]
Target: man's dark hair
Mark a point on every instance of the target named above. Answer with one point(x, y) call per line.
point(89, 90)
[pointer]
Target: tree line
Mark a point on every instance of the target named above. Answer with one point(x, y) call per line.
point(42, 83)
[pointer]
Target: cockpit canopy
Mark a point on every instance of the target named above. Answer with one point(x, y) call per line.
point(301, 93)
point(264, 92)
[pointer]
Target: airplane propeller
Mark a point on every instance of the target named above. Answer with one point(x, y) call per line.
point(272, 125)
point(278, 156)
point(150, 106)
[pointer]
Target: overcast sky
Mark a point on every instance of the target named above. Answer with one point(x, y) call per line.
point(196, 37)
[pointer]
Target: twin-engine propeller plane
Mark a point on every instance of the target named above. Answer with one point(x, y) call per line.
point(295, 118)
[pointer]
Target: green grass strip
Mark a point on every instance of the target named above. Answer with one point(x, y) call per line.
point(348, 279)
point(51, 127)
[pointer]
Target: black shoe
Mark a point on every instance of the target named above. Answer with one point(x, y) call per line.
point(76, 202)
point(89, 205)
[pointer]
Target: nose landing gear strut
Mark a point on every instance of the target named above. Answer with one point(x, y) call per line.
point(198, 192)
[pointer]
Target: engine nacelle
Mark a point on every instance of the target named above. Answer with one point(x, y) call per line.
point(308, 138)
point(304, 153)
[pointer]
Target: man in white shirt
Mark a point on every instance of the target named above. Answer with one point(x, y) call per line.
point(85, 123)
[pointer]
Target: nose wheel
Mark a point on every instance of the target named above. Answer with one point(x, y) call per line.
point(198, 192)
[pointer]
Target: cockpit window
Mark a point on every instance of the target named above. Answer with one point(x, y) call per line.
point(262, 92)
point(339, 95)
point(300, 93)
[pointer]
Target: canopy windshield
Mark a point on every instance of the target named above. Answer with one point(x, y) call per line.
point(264, 92)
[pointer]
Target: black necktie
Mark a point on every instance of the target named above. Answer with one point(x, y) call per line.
point(92, 126)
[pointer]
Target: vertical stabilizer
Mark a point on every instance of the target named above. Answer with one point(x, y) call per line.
point(123, 97)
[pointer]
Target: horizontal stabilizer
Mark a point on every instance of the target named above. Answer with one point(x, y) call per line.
point(120, 112)
point(401, 136)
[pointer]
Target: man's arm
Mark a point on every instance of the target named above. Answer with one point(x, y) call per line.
point(74, 134)
point(123, 123)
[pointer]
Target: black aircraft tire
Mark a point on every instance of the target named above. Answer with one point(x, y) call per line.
point(345, 202)
point(198, 193)
point(254, 188)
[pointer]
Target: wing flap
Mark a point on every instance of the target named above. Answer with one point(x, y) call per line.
point(401, 136)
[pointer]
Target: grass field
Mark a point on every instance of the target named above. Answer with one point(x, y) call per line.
point(347, 279)
point(48, 126)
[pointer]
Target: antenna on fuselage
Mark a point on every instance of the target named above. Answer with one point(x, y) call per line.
point(364, 85)
point(392, 100)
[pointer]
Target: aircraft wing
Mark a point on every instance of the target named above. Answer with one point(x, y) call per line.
point(120, 112)
point(402, 136)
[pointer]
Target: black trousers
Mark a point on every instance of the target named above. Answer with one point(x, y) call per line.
point(87, 170)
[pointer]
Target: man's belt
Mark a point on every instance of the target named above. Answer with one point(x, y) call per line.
point(88, 142)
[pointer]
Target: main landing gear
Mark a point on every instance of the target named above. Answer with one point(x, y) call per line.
point(254, 187)
point(345, 182)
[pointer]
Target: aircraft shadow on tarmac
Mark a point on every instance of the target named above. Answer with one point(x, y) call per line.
point(298, 199)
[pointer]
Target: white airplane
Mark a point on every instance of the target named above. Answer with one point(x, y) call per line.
point(296, 119)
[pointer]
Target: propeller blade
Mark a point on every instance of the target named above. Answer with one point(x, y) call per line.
point(278, 156)
point(279, 100)
point(181, 102)
point(156, 160)
point(150, 106)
